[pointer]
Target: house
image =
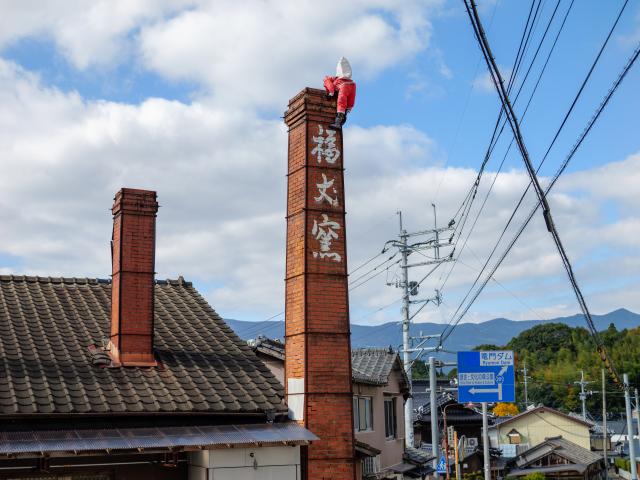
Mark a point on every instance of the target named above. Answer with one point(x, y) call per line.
point(380, 387)
point(133, 377)
point(557, 459)
point(514, 435)
point(464, 420)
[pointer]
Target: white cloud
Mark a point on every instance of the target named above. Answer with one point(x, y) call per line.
point(220, 177)
point(219, 166)
point(86, 33)
point(288, 44)
point(483, 83)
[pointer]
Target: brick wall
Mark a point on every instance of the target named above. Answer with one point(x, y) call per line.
point(318, 355)
point(133, 263)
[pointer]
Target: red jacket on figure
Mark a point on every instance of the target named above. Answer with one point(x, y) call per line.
point(346, 91)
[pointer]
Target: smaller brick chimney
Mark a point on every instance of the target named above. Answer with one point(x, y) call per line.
point(133, 277)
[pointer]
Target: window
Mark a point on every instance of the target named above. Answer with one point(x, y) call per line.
point(371, 465)
point(514, 437)
point(390, 421)
point(362, 414)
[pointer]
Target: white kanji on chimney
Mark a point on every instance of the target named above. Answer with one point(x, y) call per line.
point(322, 190)
point(325, 148)
point(325, 232)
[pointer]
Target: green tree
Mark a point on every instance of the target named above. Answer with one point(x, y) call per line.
point(556, 353)
point(419, 370)
point(535, 476)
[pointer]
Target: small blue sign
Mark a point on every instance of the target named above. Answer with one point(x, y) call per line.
point(442, 466)
point(486, 376)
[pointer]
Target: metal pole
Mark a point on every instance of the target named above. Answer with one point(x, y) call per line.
point(637, 414)
point(632, 447)
point(435, 229)
point(526, 378)
point(456, 455)
point(446, 441)
point(435, 441)
point(406, 354)
point(605, 436)
point(485, 442)
point(583, 395)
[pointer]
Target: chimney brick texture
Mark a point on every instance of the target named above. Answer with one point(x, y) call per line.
point(133, 277)
point(318, 348)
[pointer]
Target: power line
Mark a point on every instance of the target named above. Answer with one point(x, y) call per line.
point(353, 287)
point(513, 122)
point(373, 269)
point(367, 262)
point(577, 96)
point(464, 111)
point(559, 172)
point(493, 143)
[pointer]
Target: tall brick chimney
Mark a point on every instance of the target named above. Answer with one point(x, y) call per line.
point(133, 277)
point(318, 349)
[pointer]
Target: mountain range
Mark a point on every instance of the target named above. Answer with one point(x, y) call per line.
point(465, 336)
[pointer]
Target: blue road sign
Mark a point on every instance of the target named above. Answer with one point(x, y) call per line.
point(442, 466)
point(486, 376)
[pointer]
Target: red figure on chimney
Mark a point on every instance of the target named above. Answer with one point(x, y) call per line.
point(346, 89)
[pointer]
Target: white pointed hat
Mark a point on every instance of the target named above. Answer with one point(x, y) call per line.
point(343, 70)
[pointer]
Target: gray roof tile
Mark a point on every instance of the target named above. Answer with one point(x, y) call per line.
point(48, 324)
point(374, 365)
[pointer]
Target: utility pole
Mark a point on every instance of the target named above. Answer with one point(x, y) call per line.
point(637, 413)
point(632, 447)
point(410, 289)
point(605, 434)
point(435, 441)
point(583, 394)
point(406, 354)
point(485, 442)
point(526, 378)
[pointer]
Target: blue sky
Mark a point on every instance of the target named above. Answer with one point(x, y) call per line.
point(162, 96)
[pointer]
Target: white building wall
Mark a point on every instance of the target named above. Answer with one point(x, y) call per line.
point(260, 463)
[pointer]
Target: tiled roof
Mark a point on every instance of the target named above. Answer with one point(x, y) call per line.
point(369, 365)
point(417, 456)
point(374, 365)
point(268, 346)
point(541, 409)
point(48, 324)
point(561, 447)
point(441, 400)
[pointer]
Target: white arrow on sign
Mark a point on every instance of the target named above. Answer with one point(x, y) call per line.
point(503, 370)
point(498, 390)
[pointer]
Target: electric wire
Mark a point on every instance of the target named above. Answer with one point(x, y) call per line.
point(561, 169)
point(351, 282)
point(364, 264)
point(528, 25)
point(555, 137)
point(522, 48)
point(498, 82)
point(577, 96)
point(353, 287)
point(551, 50)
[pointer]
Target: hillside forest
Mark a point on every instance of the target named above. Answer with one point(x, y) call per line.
point(556, 353)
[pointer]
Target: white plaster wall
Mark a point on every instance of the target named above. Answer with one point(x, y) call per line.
point(262, 463)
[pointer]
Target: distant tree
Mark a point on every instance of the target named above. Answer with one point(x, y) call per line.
point(419, 370)
point(545, 339)
point(556, 353)
point(505, 409)
point(487, 346)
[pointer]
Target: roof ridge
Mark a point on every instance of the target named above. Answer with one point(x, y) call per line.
point(82, 280)
point(372, 350)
